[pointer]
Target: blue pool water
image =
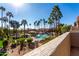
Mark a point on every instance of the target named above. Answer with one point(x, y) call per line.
point(41, 36)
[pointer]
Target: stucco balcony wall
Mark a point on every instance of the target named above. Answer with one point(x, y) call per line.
point(60, 46)
point(64, 47)
point(74, 38)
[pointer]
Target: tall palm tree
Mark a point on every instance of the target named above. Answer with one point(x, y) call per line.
point(50, 22)
point(38, 24)
point(10, 15)
point(40, 21)
point(56, 15)
point(15, 25)
point(44, 22)
point(24, 22)
point(30, 25)
point(2, 10)
point(5, 19)
point(35, 24)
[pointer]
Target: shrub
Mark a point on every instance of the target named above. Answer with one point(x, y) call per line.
point(29, 40)
point(3, 54)
point(32, 45)
point(1, 38)
point(13, 45)
point(32, 33)
point(5, 44)
point(49, 38)
point(20, 39)
point(5, 30)
point(1, 32)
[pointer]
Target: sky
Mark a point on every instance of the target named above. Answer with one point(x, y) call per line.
point(36, 11)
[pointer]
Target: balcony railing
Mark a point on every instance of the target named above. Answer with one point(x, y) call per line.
point(60, 46)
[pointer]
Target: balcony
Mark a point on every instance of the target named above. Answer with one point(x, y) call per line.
point(66, 44)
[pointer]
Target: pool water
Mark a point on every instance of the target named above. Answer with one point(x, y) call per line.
point(41, 36)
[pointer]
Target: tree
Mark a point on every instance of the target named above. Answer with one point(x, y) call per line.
point(30, 25)
point(44, 22)
point(50, 22)
point(1, 33)
point(24, 22)
point(35, 24)
point(2, 10)
point(56, 15)
point(5, 19)
point(5, 44)
point(15, 25)
point(22, 44)
point(9, 14)
point(38, 24)
point(64, 28)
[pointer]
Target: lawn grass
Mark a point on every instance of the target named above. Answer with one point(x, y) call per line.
point(1, 43)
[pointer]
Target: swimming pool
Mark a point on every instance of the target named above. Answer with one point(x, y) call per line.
point(41, 36)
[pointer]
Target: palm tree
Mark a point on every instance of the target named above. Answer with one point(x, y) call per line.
point(2, 10)
point(24, 22)
point(44, 22)
point(38, 24)
point(35, 24)
point(56, 15)
point(40, 21)
point(9, 14)
point(5, 19)
point(50, 22)
point(15, 25)
point(22, 44)
point(30, 25)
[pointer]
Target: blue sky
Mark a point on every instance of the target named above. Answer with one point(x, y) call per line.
point(36, 11)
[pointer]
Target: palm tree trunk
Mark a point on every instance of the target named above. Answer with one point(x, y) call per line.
point(56, 24)
point(5, 25)
point(2, 20)
point(44, 27)
point(16, 33)
point(30, 26)
point(59, 22)
point(34, 27)
point(24, 30)
point(49, 26)
point(8, 26)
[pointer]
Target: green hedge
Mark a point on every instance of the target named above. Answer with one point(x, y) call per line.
point(29, 40)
